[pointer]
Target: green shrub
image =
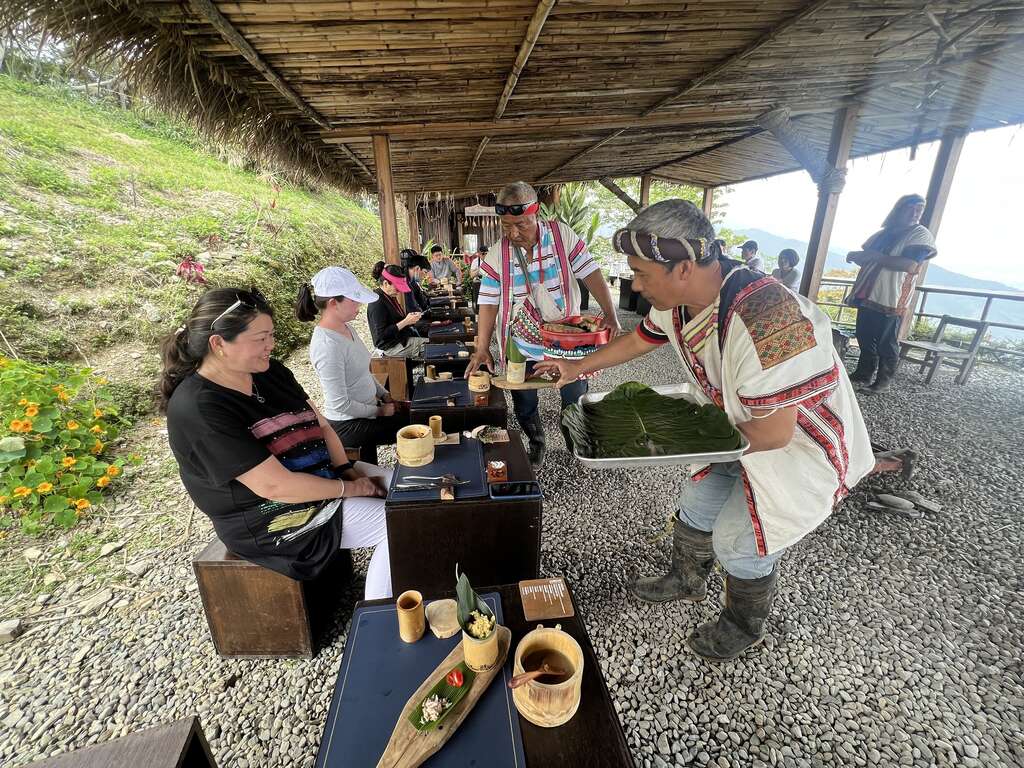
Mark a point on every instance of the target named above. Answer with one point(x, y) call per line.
point(55, 461)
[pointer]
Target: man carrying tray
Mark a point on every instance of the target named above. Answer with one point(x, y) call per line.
point(529, 278)
point(764, 355)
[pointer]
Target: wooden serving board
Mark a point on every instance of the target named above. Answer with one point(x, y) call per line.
point(502, 383)
point(409, 748)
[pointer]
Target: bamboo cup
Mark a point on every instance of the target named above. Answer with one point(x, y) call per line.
point(549, 704)
point(415, 445)
point(411, 620)
point(435, 427)
point(481, 655)
point(515, 373)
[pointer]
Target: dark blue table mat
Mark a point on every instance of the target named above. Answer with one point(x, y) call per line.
point(378, 675)
point(449, 327)
point(442, 351)
point(465, 461)
point(457, 387)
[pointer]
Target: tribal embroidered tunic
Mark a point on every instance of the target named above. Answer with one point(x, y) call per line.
point(760, 347)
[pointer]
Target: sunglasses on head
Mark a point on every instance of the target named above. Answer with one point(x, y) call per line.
point(260, 299)
point(517, 209)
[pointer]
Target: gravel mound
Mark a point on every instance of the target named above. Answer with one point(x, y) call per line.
point(893, 642)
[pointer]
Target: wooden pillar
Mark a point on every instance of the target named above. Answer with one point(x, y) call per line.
point(645, 191)
point(938, 194)
point(386, 197)
point(414, 221)
point(843, 128)
point(708, 200)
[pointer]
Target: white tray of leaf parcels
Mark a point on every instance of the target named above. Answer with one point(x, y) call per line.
point(682, 392)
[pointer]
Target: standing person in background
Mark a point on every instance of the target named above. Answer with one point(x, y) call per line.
point(889, 264)
point(442, 267)
point(359, 409)
point(529, 280)
point(787, 273)
point(256, 455)
point(750, 256)
point(391, 327)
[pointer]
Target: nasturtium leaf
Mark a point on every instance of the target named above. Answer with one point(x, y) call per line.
point(65, 517)
point(634, 420)
point(54, 504)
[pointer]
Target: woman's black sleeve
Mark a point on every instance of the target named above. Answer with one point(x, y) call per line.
point(383, 329)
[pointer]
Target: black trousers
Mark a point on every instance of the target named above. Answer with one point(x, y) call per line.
point(367, 434)
point(879, 347)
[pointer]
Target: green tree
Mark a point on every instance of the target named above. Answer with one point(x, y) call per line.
point(575, 207)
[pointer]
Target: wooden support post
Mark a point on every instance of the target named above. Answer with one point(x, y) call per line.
point(645, 190)
point(620, 193)
point(386, 197)
point(843, 128)
point(708, 200)
point(414, 221)
point(938, 194)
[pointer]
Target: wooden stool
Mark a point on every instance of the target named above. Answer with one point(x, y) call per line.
point(254, 611)
point(178, 745)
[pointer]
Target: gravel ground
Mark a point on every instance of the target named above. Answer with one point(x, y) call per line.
point(893, 642)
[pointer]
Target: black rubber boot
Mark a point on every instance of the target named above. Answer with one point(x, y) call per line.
point(741, 624)
point(866, 366)
point(886, 372)
point(534, 429)
point(687, 577)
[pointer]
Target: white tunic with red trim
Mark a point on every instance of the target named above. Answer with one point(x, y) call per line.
point(761, 346)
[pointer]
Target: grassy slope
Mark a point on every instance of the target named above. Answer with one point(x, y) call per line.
point(98, 206)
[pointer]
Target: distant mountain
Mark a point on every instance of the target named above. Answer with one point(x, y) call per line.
point(939, 304)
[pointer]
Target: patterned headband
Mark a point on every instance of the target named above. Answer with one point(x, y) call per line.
point(664, 249)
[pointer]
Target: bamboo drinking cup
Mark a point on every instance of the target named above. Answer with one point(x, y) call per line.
point(411, 620)
point(435, 427)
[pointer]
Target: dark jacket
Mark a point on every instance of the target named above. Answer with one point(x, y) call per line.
point(419, 298)
point(383, 317)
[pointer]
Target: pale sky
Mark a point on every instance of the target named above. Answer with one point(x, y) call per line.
point(980, 233)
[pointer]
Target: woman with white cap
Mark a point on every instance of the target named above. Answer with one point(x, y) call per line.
point(359, 409)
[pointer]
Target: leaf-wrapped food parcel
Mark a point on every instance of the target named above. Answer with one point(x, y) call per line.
point(634, 420)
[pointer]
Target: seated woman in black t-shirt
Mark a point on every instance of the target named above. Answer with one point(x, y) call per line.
point(256, 455)
point(391, 327)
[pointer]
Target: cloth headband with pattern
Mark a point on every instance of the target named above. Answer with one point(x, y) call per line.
point(664, 249)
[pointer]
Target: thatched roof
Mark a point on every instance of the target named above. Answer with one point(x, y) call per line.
point(478, 92)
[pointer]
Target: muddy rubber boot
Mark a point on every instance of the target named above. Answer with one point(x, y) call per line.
point(883, 383)
point(534, 430)
point(866, 366)
point(741, 624)
point(687, 577)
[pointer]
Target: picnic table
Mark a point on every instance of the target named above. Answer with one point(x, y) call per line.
point(463, 414)
point(593, 737)
point(496, 539)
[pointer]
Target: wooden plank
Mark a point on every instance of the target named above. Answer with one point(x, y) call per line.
point(620, 193)
point(843, 129)
point(386, 197)
point(708, 201)
point(414, 220)
point(540, 15)
point(645, 190)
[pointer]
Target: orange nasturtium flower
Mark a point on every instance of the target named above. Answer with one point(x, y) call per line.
point(96, 413)
point(26, 426)
point(23, 401)
point(32, 410)
point(97, 447)
point(15, 425)
point(103, 481)
point(96, 429)
point(3, 499)
point(44, 487)
point(82, 504)
point(63, 396)
point(69, 461)
point(21, 492)
point(73, 425)
point(113, 471)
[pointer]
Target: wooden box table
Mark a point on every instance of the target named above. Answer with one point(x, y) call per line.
point(593, 737)
point(447, 313)
point(455, 332)
point(456, 418)
point(178, 745)
point(495, 541)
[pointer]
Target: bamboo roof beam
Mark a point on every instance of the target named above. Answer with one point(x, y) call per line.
point(476, 158)
point(620, 193)
point(233, 37)
point(592, 148)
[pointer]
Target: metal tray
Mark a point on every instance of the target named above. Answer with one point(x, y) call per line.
point(683, 392)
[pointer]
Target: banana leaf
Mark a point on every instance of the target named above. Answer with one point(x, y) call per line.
point(634, 420)
point(468, 600)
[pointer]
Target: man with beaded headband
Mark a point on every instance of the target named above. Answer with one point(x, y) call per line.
point(764, 355)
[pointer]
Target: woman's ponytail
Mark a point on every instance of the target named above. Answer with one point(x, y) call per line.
point(305, 304)
point(178, 363)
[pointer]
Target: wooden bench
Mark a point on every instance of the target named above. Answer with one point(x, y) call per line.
point(178, 745)
point(936, 351)
point(253, 611)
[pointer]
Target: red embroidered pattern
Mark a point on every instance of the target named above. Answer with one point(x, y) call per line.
point(836, 453)
point(755, 518)
point(820, 383)
point(693, 362)
point(700, 474)
point(773, 318)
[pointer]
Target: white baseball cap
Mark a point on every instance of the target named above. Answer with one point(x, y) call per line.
point(332, 282)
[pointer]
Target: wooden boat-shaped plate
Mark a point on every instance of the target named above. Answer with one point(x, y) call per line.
point(532, 383)
point(408, 747)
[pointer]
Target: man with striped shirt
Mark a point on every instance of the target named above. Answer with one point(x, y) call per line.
point(528, 278)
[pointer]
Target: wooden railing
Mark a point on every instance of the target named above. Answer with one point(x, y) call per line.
point(844, 316)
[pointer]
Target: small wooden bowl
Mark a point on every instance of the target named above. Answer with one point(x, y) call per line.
point(415, 445)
